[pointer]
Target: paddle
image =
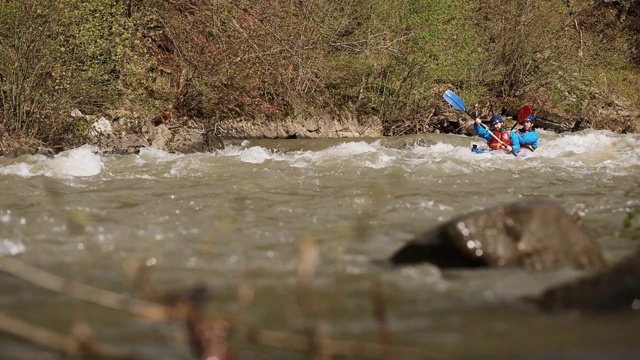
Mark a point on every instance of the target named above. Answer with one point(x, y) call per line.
point(523, 114)
point(454, 100)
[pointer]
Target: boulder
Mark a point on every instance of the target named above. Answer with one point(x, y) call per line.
point(123, 144)
point(100, 127)
point(615, 289)
point(534, 234)
point(161, 136)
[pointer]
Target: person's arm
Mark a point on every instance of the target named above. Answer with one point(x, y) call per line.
point(481, 131)
point(515, 141)
point(530, 138)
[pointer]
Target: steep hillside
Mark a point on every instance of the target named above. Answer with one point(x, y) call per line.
point(379, 63)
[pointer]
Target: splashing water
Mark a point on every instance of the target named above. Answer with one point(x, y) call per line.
point(216, 217)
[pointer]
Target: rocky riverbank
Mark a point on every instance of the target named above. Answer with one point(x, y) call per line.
point(125, 132)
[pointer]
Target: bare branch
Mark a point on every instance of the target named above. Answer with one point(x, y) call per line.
point(208, 333)
point(53, 340)
point(84, 292)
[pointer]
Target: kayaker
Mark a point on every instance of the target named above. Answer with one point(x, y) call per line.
point(509, 138)
point(527, 136)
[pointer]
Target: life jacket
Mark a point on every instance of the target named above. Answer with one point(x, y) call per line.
point(502, 135)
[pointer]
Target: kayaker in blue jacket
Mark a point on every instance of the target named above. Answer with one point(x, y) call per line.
point(509, 138)
point(527, 137)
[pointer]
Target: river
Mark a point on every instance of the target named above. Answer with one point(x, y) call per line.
point(238, 216)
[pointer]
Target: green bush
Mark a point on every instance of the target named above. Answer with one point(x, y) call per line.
point(212, 60)
point(56, 56)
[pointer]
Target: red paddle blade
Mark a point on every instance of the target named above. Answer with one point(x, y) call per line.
point(524, 113)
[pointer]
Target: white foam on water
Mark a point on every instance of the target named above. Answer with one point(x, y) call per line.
point(443, 150)
point(251, 155)
point(577, 143)
point(258, 155)
point(153, 155)
point(80, 162)
point(348, 149)
point(589, 151)
point(83, 161)
point(21, 169)
point(382, 161)
point(359, 153)
point(446, 158)
point(584, 151)
point(254, 155)
point(11, 247)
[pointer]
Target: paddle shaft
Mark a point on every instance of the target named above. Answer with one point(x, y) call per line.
point(497, 138)
point(492, 134)
point(456, 101)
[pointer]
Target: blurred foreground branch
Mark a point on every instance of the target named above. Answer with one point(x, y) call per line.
point(76, 346)
point(208, 334)
point(83, 292)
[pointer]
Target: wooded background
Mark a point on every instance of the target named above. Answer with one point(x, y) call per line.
point(271, 60)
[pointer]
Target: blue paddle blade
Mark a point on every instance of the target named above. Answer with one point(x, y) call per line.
point(454, 100)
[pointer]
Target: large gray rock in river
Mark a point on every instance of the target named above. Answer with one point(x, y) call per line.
point(615, 289)
point(536, 234)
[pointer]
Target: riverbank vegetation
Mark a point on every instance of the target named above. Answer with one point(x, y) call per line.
point(274, 60)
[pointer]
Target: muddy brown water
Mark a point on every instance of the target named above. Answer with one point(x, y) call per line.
point(222, 218)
